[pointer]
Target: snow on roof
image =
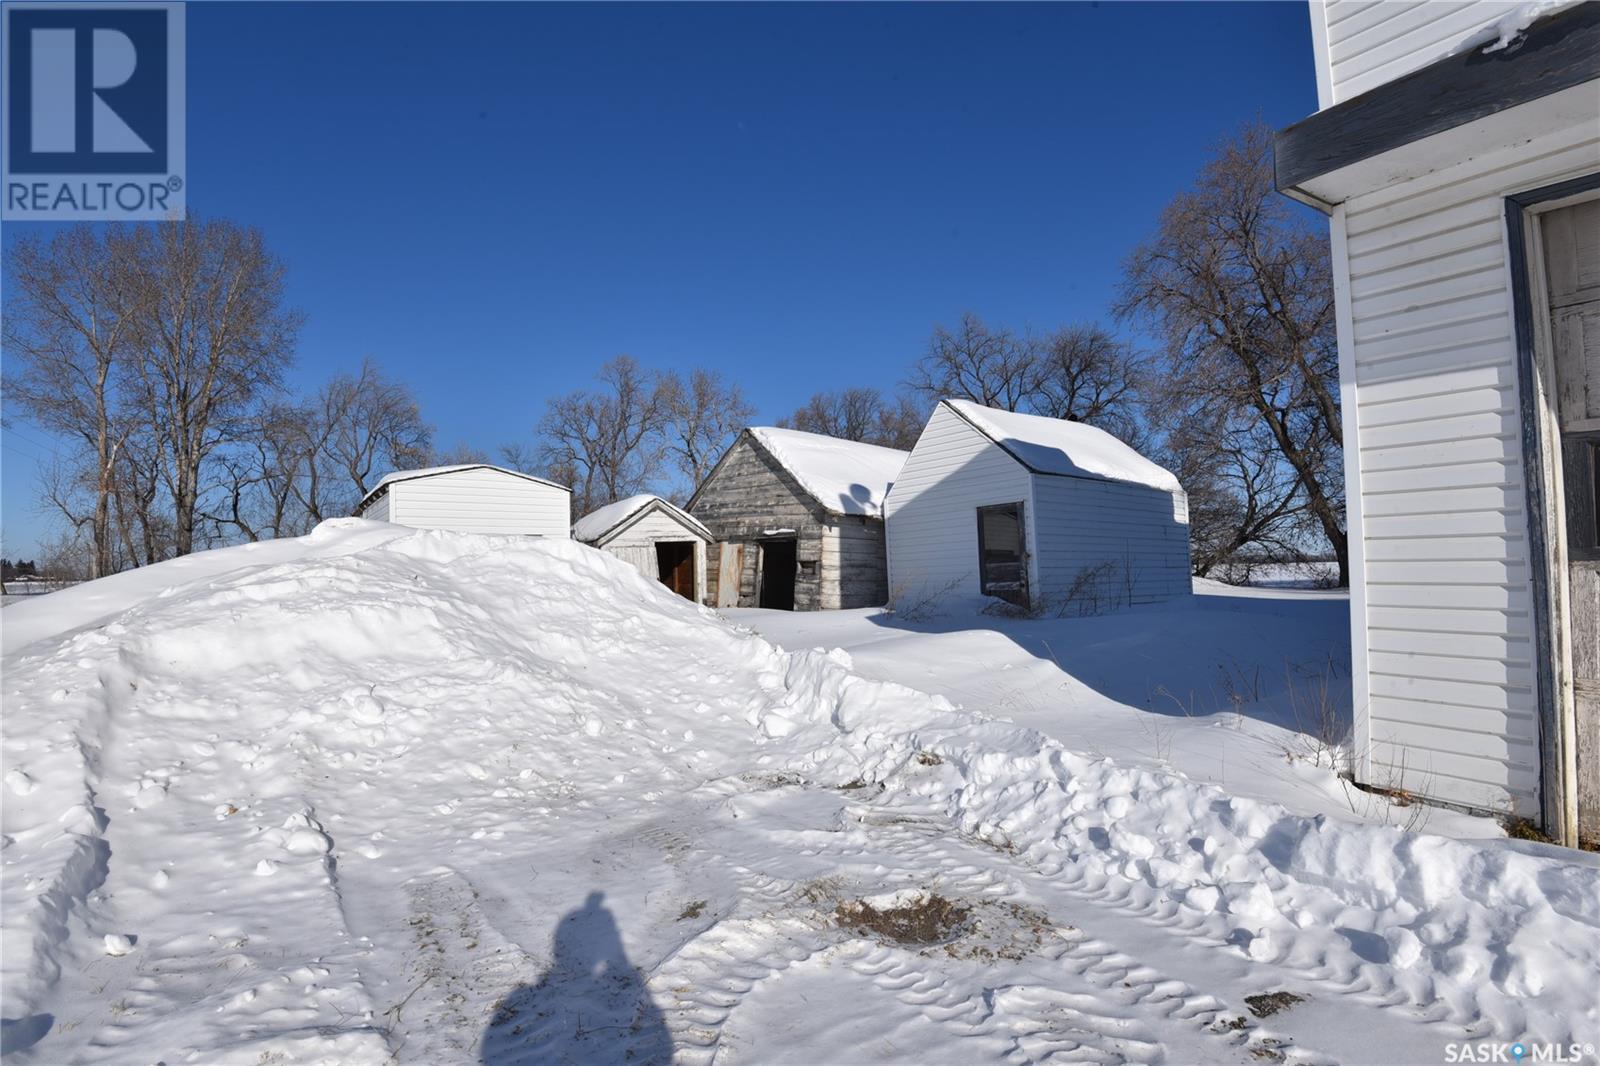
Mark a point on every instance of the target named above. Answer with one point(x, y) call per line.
point(1056, 446)
point(843, 475)
point(430, 471)
point(596, 524)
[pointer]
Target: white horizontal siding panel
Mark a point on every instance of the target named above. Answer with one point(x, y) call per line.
point(1516, 602)
point(482, 500)
point(1370, 44)
point(1476, 719)
point(1446, 622)
point(930, 514)
point(1453, 476)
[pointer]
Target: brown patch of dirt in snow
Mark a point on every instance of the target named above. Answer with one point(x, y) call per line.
point(1269, 1003)
point(693, 910)
point(930, 919)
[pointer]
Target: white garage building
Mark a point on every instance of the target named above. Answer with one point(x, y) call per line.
point(1053, 515)
point(475, 498)
point(661, 541)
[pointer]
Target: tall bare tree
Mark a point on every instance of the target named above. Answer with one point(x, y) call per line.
point(1085, 374)
point(993, 367)
point(703, 413)
point(1238, 288)
point(606, 444)
point(357, 428)
point(860, 414)
point(215, 339)
point(70, 330)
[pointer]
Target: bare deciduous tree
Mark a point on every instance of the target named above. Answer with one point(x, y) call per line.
point(973, 362)
point(1084, 374)
point(860, 414)
point(215, 338)
point(1239, 290)
point(359, 427)
point(704, 412)
point(70, 331)
point(606, 444)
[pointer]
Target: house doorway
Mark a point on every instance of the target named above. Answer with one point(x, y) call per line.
point(1570, 242)
point(779, 560)
point(675, 563)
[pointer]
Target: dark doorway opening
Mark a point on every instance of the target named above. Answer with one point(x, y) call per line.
point(778, 563)
point(675, 560)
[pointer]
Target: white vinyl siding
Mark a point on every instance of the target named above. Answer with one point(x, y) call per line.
point(1135, 537)
point(932, 509)
point(378, 510)
point(1070, 524)
point(1442, 617)
point(481, 500)
point(1370, 42)
point(635, 544)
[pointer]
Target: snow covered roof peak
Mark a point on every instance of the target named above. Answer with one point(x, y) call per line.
point(597, 523)
point(1056, 446)
point(845, 476)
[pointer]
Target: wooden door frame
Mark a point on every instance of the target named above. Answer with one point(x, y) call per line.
point(1542, 476)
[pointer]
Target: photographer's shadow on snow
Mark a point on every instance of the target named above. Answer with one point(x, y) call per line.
point(590, 1007)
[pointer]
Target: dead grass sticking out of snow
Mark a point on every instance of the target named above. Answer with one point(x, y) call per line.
point(928, 918)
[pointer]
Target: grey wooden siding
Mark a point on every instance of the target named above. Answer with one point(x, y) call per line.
point(841, 561)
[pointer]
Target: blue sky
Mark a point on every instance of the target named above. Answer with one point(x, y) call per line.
point(493, 199)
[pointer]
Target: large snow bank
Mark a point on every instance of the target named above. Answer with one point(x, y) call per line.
point(321, 804)
point(842, 475)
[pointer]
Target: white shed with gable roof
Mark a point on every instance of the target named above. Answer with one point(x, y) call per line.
point(1044, 513)
point(656, 538)
point(472, 498)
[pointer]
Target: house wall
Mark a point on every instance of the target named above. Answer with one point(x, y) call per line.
point(932, 509)
point(1110, 544)
point(1441, 607)
point(748, 494)
point(482, 501)
point(854, 566)
point(378, 510)
point(1363, 43)
point(636, 545)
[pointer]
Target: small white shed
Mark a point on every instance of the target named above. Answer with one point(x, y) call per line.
point(474, 498)
point(659, 540)
point(1048, 514)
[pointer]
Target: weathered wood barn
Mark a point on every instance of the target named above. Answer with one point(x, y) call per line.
point(1036, 511)
point(473, 498)
point(659, 540)
point(797, 521)
point(1457, 153)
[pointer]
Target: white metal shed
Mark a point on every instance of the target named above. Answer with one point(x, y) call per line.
point(1038, 511)
point(473, 498)
point(661, 541)
point(1457, 154)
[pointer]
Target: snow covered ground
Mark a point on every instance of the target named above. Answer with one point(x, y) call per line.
point(1244, 688)
point(379, 795)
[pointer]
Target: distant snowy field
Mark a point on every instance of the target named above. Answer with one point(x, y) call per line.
point(376, 795)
